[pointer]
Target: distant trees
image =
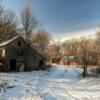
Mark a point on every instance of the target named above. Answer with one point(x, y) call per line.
point(41, 40)
point(54, 53)
point(71, 47)
point(8, 23)
point(98, 39)
point(98, 49)
point(85, 48)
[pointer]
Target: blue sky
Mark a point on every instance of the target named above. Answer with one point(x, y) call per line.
point(62, 16)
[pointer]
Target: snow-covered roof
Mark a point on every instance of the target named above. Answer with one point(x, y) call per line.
point(7, 42)
point(16, 37)
point(76, 58)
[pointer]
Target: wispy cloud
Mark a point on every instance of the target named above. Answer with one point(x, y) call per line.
point(89, 33)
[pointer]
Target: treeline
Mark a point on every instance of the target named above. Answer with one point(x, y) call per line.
point(88, 50)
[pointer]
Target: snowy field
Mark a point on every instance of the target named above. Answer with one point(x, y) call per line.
point(59, 83)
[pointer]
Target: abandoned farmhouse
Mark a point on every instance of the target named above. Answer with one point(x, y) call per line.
point(15, 55)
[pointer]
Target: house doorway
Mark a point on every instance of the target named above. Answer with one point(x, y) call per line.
point(13, 65)
point(41, 63)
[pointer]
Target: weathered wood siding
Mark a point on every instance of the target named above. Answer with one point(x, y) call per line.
point(17, 49)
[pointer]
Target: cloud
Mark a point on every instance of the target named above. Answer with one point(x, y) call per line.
point(90, 33)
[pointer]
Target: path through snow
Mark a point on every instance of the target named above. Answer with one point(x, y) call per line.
point(60, 83)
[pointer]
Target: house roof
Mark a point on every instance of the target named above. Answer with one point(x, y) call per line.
point(9, 41)
point(19, 36)
point(66, 58)
point(76, 58)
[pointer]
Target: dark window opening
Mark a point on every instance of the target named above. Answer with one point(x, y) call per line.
point(41, 63)
point(19, 43)
point(12, 64)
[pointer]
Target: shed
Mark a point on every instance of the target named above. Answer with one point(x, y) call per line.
point(16, 55)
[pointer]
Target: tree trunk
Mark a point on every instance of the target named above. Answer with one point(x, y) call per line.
point(84, 71)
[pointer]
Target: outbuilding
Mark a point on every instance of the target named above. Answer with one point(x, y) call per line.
point(16, 55)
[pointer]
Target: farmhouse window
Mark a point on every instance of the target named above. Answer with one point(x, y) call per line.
point(19, 43)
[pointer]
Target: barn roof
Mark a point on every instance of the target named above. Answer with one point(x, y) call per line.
point(75, 58)
point(8, 41)
point(3, 44)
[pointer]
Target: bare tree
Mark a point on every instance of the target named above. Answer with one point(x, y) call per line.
point(85, 54)
point(54, 53)
point(8, 23)
point(41, 40)
point(29, 22)
point(98, 49)
point(71, 47)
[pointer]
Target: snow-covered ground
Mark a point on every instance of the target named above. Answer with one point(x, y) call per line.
point(60, 83)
